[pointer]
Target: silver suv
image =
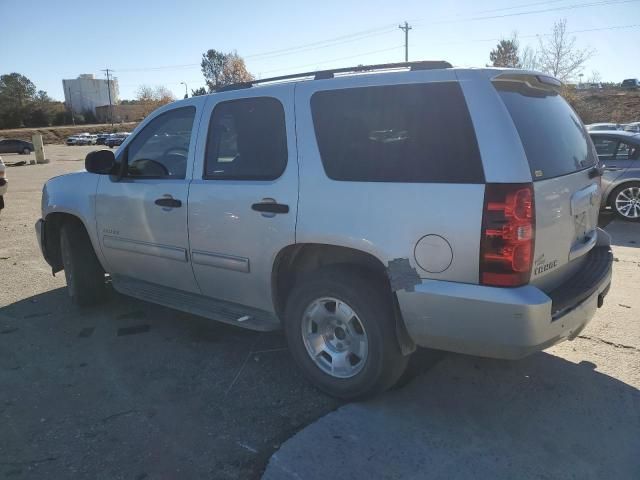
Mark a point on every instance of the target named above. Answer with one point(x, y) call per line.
point(365, 211)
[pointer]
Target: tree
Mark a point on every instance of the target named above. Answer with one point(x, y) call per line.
point(529, 59)
point(153, 98)
point(198, 91)
point(506, 53)
point(16, 92)
point(595, 77)
point(221, 69)
point(559, 55)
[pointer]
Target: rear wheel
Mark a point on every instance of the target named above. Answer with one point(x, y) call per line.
point(82, 270)
point(26, 151)
point(625, 201)
point(340, 329)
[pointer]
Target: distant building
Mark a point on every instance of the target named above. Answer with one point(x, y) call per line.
point(86, 92)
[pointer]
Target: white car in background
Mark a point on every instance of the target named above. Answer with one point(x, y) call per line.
point(632, 127)
point(603, 126)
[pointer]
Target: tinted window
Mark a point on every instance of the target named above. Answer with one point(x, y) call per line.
point(627, 151)
point(399, 133)
point(552, 135)
point(160, 150)
point(247, 140)
point(605, 147)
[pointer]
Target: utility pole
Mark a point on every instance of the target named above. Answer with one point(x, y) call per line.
point(406, 29)
point(73, 120)
point(186, 95)
point(109, 90)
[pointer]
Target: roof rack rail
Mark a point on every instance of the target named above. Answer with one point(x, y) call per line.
point(326, 74)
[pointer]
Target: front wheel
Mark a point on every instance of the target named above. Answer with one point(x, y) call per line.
point(26, 151)
point(340, 329)
point(625, 201)
point(82, 270)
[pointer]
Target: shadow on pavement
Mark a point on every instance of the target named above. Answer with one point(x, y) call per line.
point(623, 234)
point(542, 417)
point(134, 390)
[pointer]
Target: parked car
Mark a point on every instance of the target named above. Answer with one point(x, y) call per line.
point(632, 127)
point(604, 126)
point(328, 206)
point(101, 138)
point(619, 153)
point(4, 184)
point(72, 140)
point(87, 139)
point(12, 145)
point(116, 139)
point(631, 83)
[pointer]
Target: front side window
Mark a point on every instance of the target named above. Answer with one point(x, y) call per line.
point(160, 150)
point(247, 140)
point(627, 151)
point(397, 133)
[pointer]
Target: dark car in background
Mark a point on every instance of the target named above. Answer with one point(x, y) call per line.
point(631, 83)
point(101, 138)
point(116, 139)
point(619, 153)
point(11, 145)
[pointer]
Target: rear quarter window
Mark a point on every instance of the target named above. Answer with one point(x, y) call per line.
point(399, 133)
point(554, 139)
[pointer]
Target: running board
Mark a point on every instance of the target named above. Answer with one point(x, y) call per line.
point(219, 310)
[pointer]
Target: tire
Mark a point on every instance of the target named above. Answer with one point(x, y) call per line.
point(26, 151)
point(82, 270)
point(625, 201)
point(370, 316)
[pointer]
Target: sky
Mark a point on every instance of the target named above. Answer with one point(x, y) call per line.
point(162, 42)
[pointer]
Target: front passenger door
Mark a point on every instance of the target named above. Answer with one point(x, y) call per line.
point(142, 218)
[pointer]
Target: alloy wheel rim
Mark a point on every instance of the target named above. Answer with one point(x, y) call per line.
point(628, 202)
point(334, 337)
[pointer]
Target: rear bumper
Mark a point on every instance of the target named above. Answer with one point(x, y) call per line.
point(505, 322)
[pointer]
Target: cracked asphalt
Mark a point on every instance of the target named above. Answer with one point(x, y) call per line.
point(131, 390)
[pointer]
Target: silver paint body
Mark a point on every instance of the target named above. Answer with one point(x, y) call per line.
point(216, 248)
point(617, 171)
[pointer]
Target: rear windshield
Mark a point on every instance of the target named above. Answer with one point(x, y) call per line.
point(554, 139)
point(397, 133)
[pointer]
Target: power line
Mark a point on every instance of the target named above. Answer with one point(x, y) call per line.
point(532, 12)
point(362, 54)
point(515, 7)
point(384, 30)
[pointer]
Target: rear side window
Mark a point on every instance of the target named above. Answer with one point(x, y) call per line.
point(247, 140)
point(553, 137)
point(399, 133)
point(605, 147)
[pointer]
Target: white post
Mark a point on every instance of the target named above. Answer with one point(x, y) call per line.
point(38, 145)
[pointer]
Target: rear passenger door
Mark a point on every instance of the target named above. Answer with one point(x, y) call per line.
point(244, 193)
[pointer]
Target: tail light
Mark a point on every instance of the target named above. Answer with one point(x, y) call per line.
point(508, 232)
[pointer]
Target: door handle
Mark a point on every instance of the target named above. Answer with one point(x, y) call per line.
point(168, 202)
point(270, 207)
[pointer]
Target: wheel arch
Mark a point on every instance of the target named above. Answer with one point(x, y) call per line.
point(620, 183)
point(51, 239)
point(295, 261)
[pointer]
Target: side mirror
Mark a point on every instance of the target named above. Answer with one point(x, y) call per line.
point(101, 162)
